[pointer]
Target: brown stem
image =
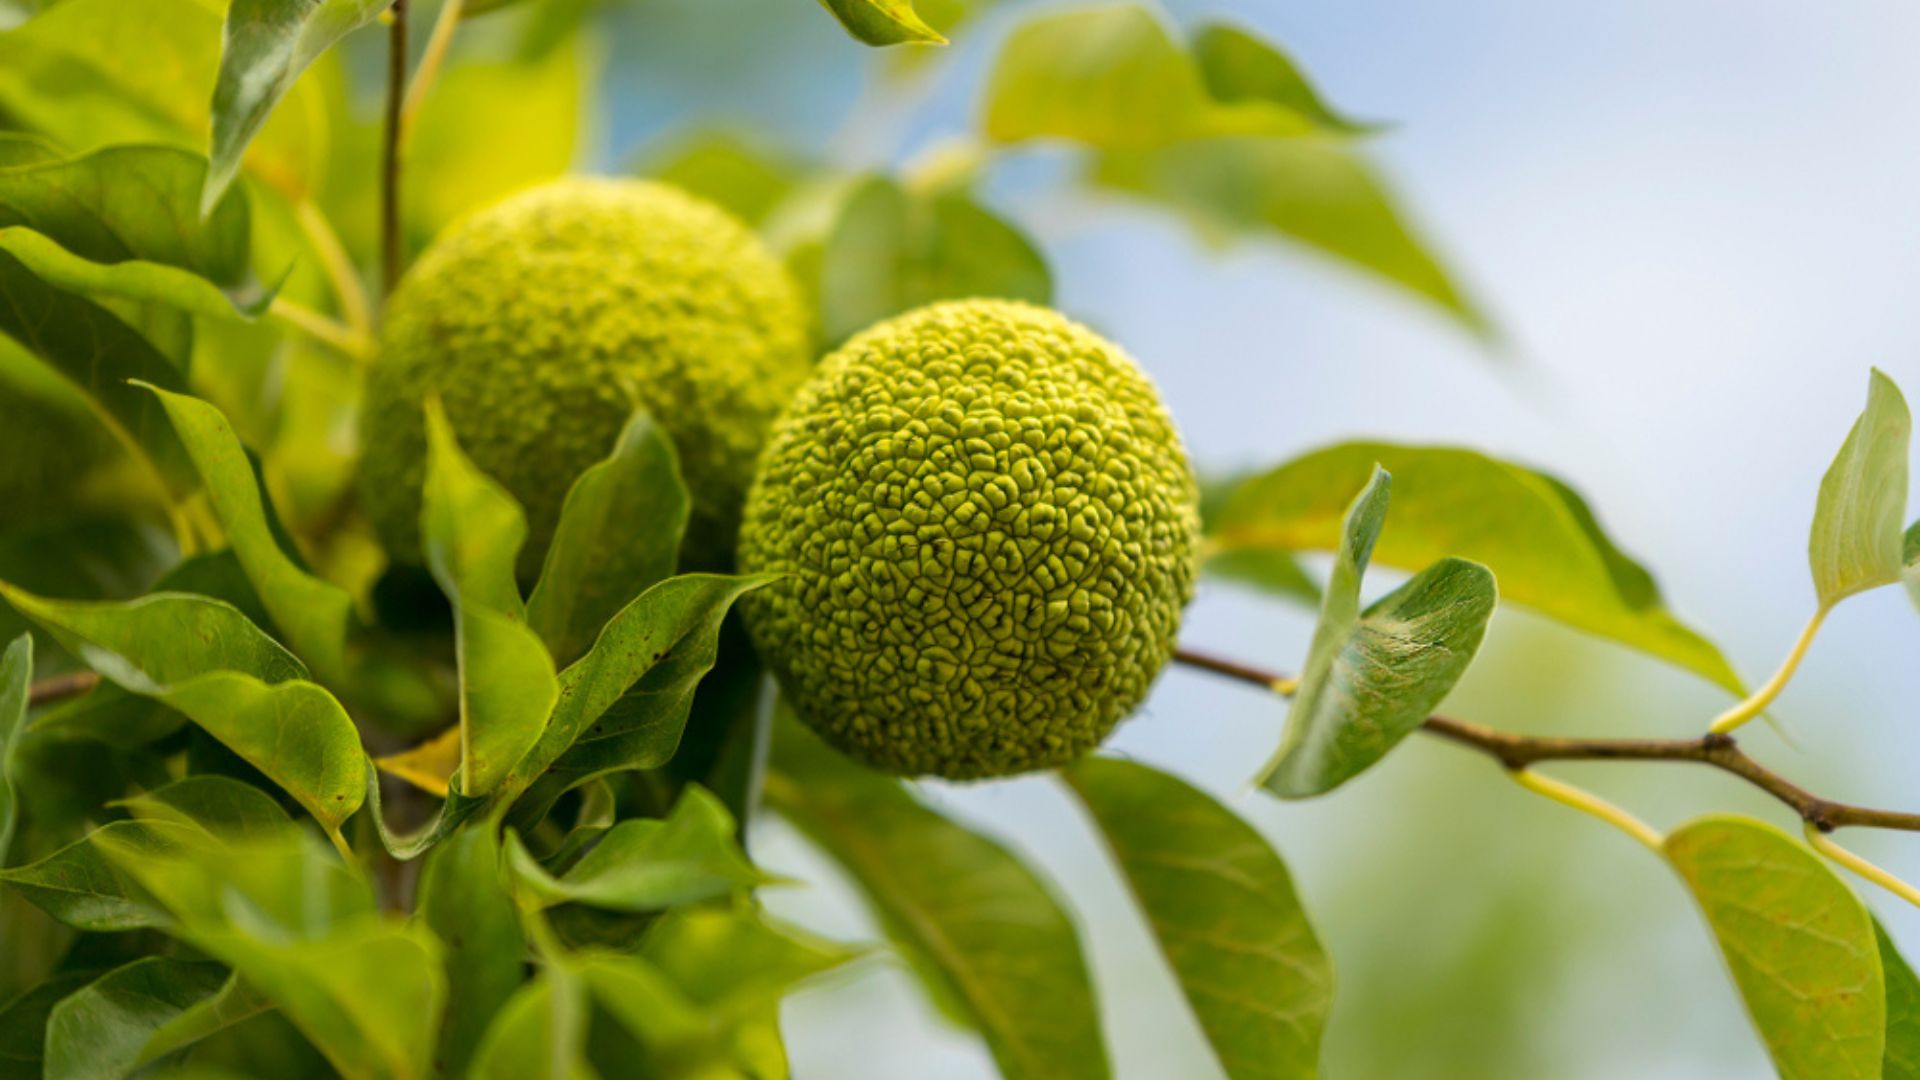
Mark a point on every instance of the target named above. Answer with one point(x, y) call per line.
point(390, 156)
point(1517, 752)
point(72, 684)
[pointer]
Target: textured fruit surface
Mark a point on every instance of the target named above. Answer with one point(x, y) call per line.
point(544, 321)
point(988, 526)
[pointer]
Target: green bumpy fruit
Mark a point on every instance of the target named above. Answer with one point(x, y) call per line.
point(545, 321)
point(988, 529)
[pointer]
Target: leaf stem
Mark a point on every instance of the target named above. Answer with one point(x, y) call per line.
point(430, 61)
point(333, 334)
point(334, 261)
point(1517, 752)
point(390, 150)
point(345, 849)
point(1588, 803)
point(1824, 844)
point(1763, 697)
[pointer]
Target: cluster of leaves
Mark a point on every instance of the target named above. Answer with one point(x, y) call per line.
point(321, 815)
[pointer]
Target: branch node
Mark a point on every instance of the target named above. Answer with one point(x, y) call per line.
point(1714, 742)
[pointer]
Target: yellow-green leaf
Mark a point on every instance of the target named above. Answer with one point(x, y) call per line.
point(1800, 945)
point(1221, 906)
point(1372, 677)
point(974, 921)
point(883, 22)
point(1538, 537)
point(1856, 543)
point(472, 531)
point(315, 615)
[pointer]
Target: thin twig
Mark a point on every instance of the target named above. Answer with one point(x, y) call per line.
point(72, 684)
point(1517, 752)
point(390, 157)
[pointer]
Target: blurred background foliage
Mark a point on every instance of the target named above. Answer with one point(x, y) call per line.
point(1596, 240)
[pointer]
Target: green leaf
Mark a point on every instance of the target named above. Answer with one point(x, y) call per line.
point(1317, 191)
point(205, 659)
point(16, 681)
point(1222, 907)
point(465, 902)
point(305, 932)
point(1902, 1058)
point(731, 170)
point(735, 962)
point(540, 1034)
point(315, 615)
point(1372, 677)
point(644, 1002)
point(1537, 536)
point(101, 1031)
point(1856, 542)
point(472, 531)
point(66, 74)
point(1110, 77)
point(1800, 945)
point(235, 1001)
point(23, 1022)
point(225, 807)
point(1910, 567)
point(491, 128)
point(123, 222)
point(973, 920)
point(82, 887)
point(1239, 67)
point(645, 865)
point(100, 356)
point(893, 249)
point(624, 704)
point(883, 22)
point(159, 639)
point(268, 43)
point(618, 536)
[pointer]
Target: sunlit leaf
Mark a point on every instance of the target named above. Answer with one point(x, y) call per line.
point(1237, 66)
point(883, 22)
point(16, 678)
point(268, 43)
point(1857, 542)
point(729, 170)
point(1538, 537)
point(645, 864)
point(618, 536)
point(67, 74)
point(735, 962)
point(893, 249)
point(1371, 677)
point(971, 918)
point(472, 531)
point(428, 766)
point(623, 705)
point(100, 1031)
point(491, 128)
point(1222, 907)
point(123, 222)
point(314, 614)
point(1800, 945)
point(1902, 1057)
point(464, 901)
point(205, 659)
point(1110, 77)
point(1317, 191)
